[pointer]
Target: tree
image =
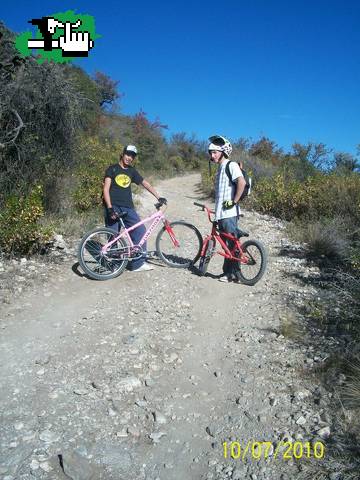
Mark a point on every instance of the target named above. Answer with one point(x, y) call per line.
point(314, 153)
point(107, 89)
point(267, 150)
point(148, 137)
point(242, 144)
point(41, 111)
point(188, 148)
point(141, 123)
point(345, 162)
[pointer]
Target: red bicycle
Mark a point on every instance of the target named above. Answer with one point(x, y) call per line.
point(251, 254)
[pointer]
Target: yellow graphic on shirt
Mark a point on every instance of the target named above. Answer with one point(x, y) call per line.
point(122, 180)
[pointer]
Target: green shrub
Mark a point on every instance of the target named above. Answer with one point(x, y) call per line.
point(321, 195)
point(19, 223)
point(177, 163)
point(207, 181)
point(278, 197)
point(94, 157)
point(354, 258)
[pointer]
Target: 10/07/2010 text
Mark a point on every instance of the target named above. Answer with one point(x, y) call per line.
point(284, 450)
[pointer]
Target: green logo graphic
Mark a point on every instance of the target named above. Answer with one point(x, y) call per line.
point(60, 37)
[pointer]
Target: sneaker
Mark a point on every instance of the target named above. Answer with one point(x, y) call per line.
point(236, 278)
point(224, 279)
point(145, 267)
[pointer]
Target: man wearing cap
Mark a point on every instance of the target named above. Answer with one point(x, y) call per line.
point(118, 198)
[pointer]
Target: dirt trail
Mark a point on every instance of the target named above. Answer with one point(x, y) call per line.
point(145, 376)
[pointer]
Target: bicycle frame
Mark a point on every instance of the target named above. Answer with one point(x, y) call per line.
point(218, 237)
point(155, 218)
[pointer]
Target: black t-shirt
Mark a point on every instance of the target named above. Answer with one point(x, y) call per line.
point(121, 180)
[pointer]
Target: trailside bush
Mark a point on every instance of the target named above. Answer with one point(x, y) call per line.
point(354, 258)
point(19, 223)
point(176, 162)
point(278, 197)
point(207, 181)
point(94, 157)
point(321, 195)
point(41, 111)
point(325, 238)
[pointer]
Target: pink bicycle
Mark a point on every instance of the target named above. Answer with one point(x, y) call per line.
point(104, 254)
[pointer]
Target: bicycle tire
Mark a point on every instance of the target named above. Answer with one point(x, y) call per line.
point(246, 267)
point(91, 259)
point(189, 249)
point(205, 259)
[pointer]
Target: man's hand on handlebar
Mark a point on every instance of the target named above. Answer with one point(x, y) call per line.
point(112, 214)
point(162, 201)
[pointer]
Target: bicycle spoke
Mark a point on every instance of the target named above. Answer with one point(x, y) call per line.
point(251, 262)
point(100, 264)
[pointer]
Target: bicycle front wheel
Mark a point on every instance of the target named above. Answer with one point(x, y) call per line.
point(101, 265)
point(179, 244)
point(253, 262)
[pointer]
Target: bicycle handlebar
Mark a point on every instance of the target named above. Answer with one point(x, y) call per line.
point(158, 205)
point(204, 207)
point(207, 209)
point(199, 205)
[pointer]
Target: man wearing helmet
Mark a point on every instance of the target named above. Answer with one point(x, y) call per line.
point(227, 195)
point(118, 198)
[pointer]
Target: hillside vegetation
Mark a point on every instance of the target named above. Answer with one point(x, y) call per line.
point(60, 129)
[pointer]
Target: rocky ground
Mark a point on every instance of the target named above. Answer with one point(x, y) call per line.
point(148, 375)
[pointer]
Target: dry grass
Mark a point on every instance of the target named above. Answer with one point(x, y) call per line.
point(351, 390)
point(291, 327)
point(323, 238)
point(76, 224)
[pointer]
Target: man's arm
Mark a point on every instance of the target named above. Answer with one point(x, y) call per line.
point(106, 191)
point(240, 185)
point(150, 188)
point(239, 179)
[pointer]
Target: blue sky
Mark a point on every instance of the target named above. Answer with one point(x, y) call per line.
point(289, 70)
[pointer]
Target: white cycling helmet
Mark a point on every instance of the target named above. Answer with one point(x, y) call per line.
point(220, 144)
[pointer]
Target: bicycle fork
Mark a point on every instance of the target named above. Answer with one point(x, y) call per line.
point(170, 231)
point(208, 248)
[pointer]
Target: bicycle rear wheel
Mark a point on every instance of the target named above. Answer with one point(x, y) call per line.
point(179, 244)
point(102, 265)
point(205, 259)
point(253, 262)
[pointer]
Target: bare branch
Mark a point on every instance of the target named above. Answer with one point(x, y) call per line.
point(19, 127)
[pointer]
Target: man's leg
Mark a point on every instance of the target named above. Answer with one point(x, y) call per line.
point(136, 235)
point(229, 225)
point(112, 224)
